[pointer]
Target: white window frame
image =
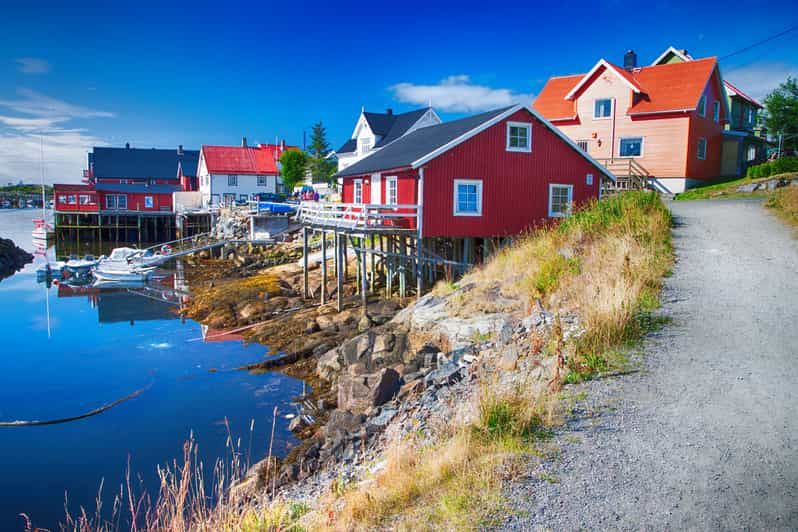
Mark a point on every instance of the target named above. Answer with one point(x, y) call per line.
point(698, 149)
point(120, 199)
point(391, 181)
point(363, 145)
point(716, 111)
point(522, 125)
point(72, 199)
point(262, 181)
point(751, 114)
point(702, 106)
point(570, 200)
point(232, 180)
point(455, 207)
point(751, 153)
point(110, 202)
point(585, 142)
point(642, 147)
point(358, 191)
point(86, 197)
point(612, 108)
point(149, 202)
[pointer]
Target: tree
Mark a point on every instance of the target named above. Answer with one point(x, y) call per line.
point(321, 168)
point(782, 113)
point(293, 166)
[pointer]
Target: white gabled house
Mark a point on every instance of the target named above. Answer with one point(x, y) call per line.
point(375, 130)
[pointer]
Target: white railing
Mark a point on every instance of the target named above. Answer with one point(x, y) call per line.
point(358, 216)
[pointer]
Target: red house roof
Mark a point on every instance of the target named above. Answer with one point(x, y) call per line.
point(260, 160)
point(663, 88)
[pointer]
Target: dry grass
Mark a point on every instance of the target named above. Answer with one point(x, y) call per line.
point(784, 203)
point(456, 482)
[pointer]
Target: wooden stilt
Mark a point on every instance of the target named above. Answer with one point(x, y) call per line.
point(339, 273)
point(363, 284)
point(419, 268)
point(323, 267)
point(402, 267)
point(305, 260)
point(372, 279)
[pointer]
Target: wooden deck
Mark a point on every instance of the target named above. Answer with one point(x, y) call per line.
point(359, 218)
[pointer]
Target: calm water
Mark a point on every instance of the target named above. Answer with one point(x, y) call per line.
point(103, 345)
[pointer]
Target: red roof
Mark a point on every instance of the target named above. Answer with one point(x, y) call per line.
point(261, 159)
point(68, 187)
point(664, 88)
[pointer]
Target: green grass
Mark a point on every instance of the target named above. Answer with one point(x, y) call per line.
point(728, 188)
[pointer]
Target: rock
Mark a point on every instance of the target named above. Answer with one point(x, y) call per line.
point(773, 184)
point(411, 388)
point(505, 334)
point(360, 392)
point(12, 258)
point(312, 327)
point(297, 424)
point(345, 420)
point(364, 324)
point(751, 187)
point(329, 365)
point(383, 343)
point(250, 310)
point(509, 358)
point(384, 418)
point(324, 322)
point(443, 376)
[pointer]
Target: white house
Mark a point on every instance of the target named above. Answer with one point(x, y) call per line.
point(235, 173)
point(375, 130)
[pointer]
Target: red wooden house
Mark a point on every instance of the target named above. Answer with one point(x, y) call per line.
point(491, 175)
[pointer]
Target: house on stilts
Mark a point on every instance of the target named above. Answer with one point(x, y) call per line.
point(445, 196)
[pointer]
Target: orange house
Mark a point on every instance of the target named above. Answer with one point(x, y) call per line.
point(666, 120)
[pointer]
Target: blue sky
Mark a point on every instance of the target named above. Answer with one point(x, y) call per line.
point(154, 76)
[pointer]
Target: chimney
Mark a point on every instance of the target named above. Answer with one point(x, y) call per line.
point(243, 142)
point(127, 145)
point(389, 111)
point(282, 145)
point(180, 149)
point(630, 60)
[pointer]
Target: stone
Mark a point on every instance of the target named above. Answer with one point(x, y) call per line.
point(387, 386)
point(411, 388)
point(748, 188)
point(773, 184)
point(329, 365)
point(360, 392)
point(384, 343)
point(358, 368)
point(251, 310)
point(505, 334)
point(364, 324)
point(297, 424)
point(324, 322)
point(509, 358)
point(356, 348)
point(312, 327)
point(444, 375)
point(384, 418)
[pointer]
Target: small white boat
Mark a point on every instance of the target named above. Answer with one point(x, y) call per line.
point(42, 231)
point(77, 266)
point(106, 272)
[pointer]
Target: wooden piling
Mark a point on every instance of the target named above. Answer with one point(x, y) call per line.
point(305, 260)
point(323, 267)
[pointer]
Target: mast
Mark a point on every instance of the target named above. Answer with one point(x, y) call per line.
point(41, 170)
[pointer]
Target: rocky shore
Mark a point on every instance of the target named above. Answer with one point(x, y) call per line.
point(12, 258)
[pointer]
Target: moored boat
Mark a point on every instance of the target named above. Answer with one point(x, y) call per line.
point(82, 266)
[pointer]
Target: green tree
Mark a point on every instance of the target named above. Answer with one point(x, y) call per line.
point(782, 112)
point(293, 166)
point(321, 168)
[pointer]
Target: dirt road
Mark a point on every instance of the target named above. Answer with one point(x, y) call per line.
point(706, 435)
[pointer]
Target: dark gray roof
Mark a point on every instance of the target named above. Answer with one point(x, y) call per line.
point(349, 146)
point(416, 144)
point(387, 126)
point(140, 188)
point(136, 163)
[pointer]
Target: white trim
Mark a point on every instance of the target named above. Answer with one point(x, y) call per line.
point(698, 152)
point(495, 120)
point(457, 183)
point(612, 109)
point(674, 51)
point(388, 180)
point(570, 200)
point(668, 111)
point(358, 184)
point(605, 64)
point(525, 125)
point(716, 111)
point(642, 144)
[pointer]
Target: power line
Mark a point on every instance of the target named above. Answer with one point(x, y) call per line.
point(763, 41)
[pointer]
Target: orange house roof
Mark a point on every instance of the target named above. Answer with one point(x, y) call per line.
point(663, 89)
point(260, 160)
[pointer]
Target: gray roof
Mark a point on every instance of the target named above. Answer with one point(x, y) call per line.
point(137, 163)
point(411, 147)
point(138, 188)
point(388, 126)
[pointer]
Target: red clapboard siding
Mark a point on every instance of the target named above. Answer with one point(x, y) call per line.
point(515, 186)
point(707, 128)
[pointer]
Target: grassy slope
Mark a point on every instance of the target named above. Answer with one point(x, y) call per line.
point(604, 264)
point(784, 202)
point(728, 189)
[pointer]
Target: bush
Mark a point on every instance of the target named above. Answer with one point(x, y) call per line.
point(775, 167)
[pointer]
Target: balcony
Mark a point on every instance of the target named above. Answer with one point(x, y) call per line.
point(351, 217)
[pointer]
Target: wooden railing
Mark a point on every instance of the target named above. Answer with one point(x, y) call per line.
point(358, 216)
point(629, 174)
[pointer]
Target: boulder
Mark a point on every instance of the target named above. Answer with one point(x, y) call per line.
point(509, 358)
point(360, 392)
point(356, 348)
point(251, 310)
point(444, 375)
point(383, 343)
point(329, 365)
point(750, 187)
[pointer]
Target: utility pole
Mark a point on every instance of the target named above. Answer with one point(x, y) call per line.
point(781, 140)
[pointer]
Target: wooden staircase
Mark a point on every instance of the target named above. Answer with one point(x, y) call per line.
point(629, 175)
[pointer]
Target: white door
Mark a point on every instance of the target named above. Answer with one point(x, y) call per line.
point(376, 189)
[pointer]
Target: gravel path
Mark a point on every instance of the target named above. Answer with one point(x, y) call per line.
point(706, 436)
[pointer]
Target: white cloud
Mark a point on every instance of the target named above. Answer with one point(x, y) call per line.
point(758, 79)
point(33, 65)
point(44, 121)
point(458, 94)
